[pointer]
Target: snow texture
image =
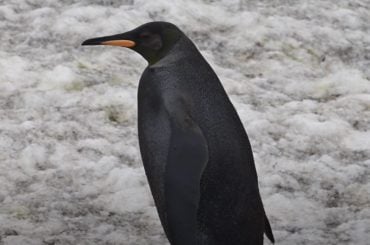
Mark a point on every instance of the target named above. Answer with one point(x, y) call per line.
point(297, 72)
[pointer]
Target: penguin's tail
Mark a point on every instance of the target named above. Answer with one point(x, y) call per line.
point(268, 230)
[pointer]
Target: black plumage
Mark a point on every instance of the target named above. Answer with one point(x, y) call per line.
point(195, 151)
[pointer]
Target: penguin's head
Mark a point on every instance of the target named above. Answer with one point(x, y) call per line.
point(152, 40)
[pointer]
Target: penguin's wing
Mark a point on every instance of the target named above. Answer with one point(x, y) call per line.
point(187, 158)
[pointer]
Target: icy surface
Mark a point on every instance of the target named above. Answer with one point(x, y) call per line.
point(297, 72)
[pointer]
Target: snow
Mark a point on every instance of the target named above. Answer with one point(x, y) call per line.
point(297, 72)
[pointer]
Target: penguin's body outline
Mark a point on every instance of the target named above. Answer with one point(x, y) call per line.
point(196, 153)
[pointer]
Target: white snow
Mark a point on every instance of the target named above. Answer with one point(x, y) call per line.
point(297, 72)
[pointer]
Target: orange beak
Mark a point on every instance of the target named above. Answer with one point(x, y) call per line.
point(121, 43)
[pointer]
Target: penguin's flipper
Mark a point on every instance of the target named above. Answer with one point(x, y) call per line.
point(186, 160)
point(268, 230)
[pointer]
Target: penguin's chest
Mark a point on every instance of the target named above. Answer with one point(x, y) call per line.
point(154, 137)
point(154, 128)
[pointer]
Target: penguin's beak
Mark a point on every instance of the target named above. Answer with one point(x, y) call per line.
point(115, 40)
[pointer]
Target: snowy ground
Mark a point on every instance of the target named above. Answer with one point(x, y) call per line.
point(297, 72)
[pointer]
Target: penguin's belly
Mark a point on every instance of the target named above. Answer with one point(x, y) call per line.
point(154, 139)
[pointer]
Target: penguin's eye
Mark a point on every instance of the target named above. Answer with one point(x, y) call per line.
point(145, 36)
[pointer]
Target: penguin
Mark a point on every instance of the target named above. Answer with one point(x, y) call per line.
point(195, 151)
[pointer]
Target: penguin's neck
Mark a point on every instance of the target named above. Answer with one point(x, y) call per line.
point(180, 51)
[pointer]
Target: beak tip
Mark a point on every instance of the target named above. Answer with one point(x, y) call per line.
point(88, 42)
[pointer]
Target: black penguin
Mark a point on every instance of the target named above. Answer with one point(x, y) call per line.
point(195, 151)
